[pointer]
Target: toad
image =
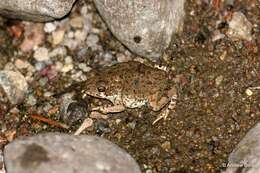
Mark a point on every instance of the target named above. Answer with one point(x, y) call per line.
point(131, 85)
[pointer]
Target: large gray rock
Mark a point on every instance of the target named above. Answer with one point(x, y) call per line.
point(35, 10)
point(2, 168)
point(63, 153)
point(245, 158)
point(144, 26)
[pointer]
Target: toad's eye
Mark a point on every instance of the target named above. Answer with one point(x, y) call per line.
point(101, 86)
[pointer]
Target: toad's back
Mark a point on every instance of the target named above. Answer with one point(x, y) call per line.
point(135, 79)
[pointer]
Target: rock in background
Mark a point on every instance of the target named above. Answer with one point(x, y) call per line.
point(35, 10)
point(56, 153)
point(240, 27)
point(13, 85)
point(144, 26)
point(2, 169)
point(245, 158)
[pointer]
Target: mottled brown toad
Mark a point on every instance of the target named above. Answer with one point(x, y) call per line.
point(132, 85)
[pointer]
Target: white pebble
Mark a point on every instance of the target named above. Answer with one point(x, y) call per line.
point(84, 67)
point(41, 54)
point(108, 57)
point(47, 94)
point(240, 27)
point(77, 76)
point(217, 35)
point(123, 58)
point(31, 100)
point(59, 51)
point(71, 43)
point(219, 79)
point(70, 34)
point(49, 27)
point(80, 35)
point(92, 41)
point(249, 92)
point(67, 67)
point(68, 60)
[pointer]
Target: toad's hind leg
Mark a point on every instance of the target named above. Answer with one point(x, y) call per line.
point(166, 111)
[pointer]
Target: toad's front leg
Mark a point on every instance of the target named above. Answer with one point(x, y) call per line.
point(109, 109)
point(103, 110)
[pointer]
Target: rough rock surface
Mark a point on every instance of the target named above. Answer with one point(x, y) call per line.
point(35, 10)
point(14, 85)
point(64, 153)
point(245, 158)
point(2, 169)
point(240, 27)
point(144, 26)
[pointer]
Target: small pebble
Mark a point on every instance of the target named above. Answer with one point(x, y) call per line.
point(59, 51)
point(92, 41)
point(81, 54)
point(84, 67)
point(132, 124)
point(80, 35)
point(149, 171)
point(249, 92)
point(47, 94)
point(71, 43)
point(76, 22)
point(240, 27)
point(108, 57)
point(218, 80)
point(14, 85)
point(20, 64)
point(78, 76)
point(31, 100)
point(67, 67)
point(68, 60)
point(43, 81)
point(57, 37)
point(58, 66)
point(49, 27)
point(33, 36)
point(103, 127)
point(70, 34)
point(39, 66)
point(223, 56)
point(217, 35)
point(123, 58)
point(166, 145)
point(41, 54)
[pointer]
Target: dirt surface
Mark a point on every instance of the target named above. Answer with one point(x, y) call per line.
point(213, 110)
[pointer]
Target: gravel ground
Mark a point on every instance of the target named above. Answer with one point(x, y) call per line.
point(217, 79)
